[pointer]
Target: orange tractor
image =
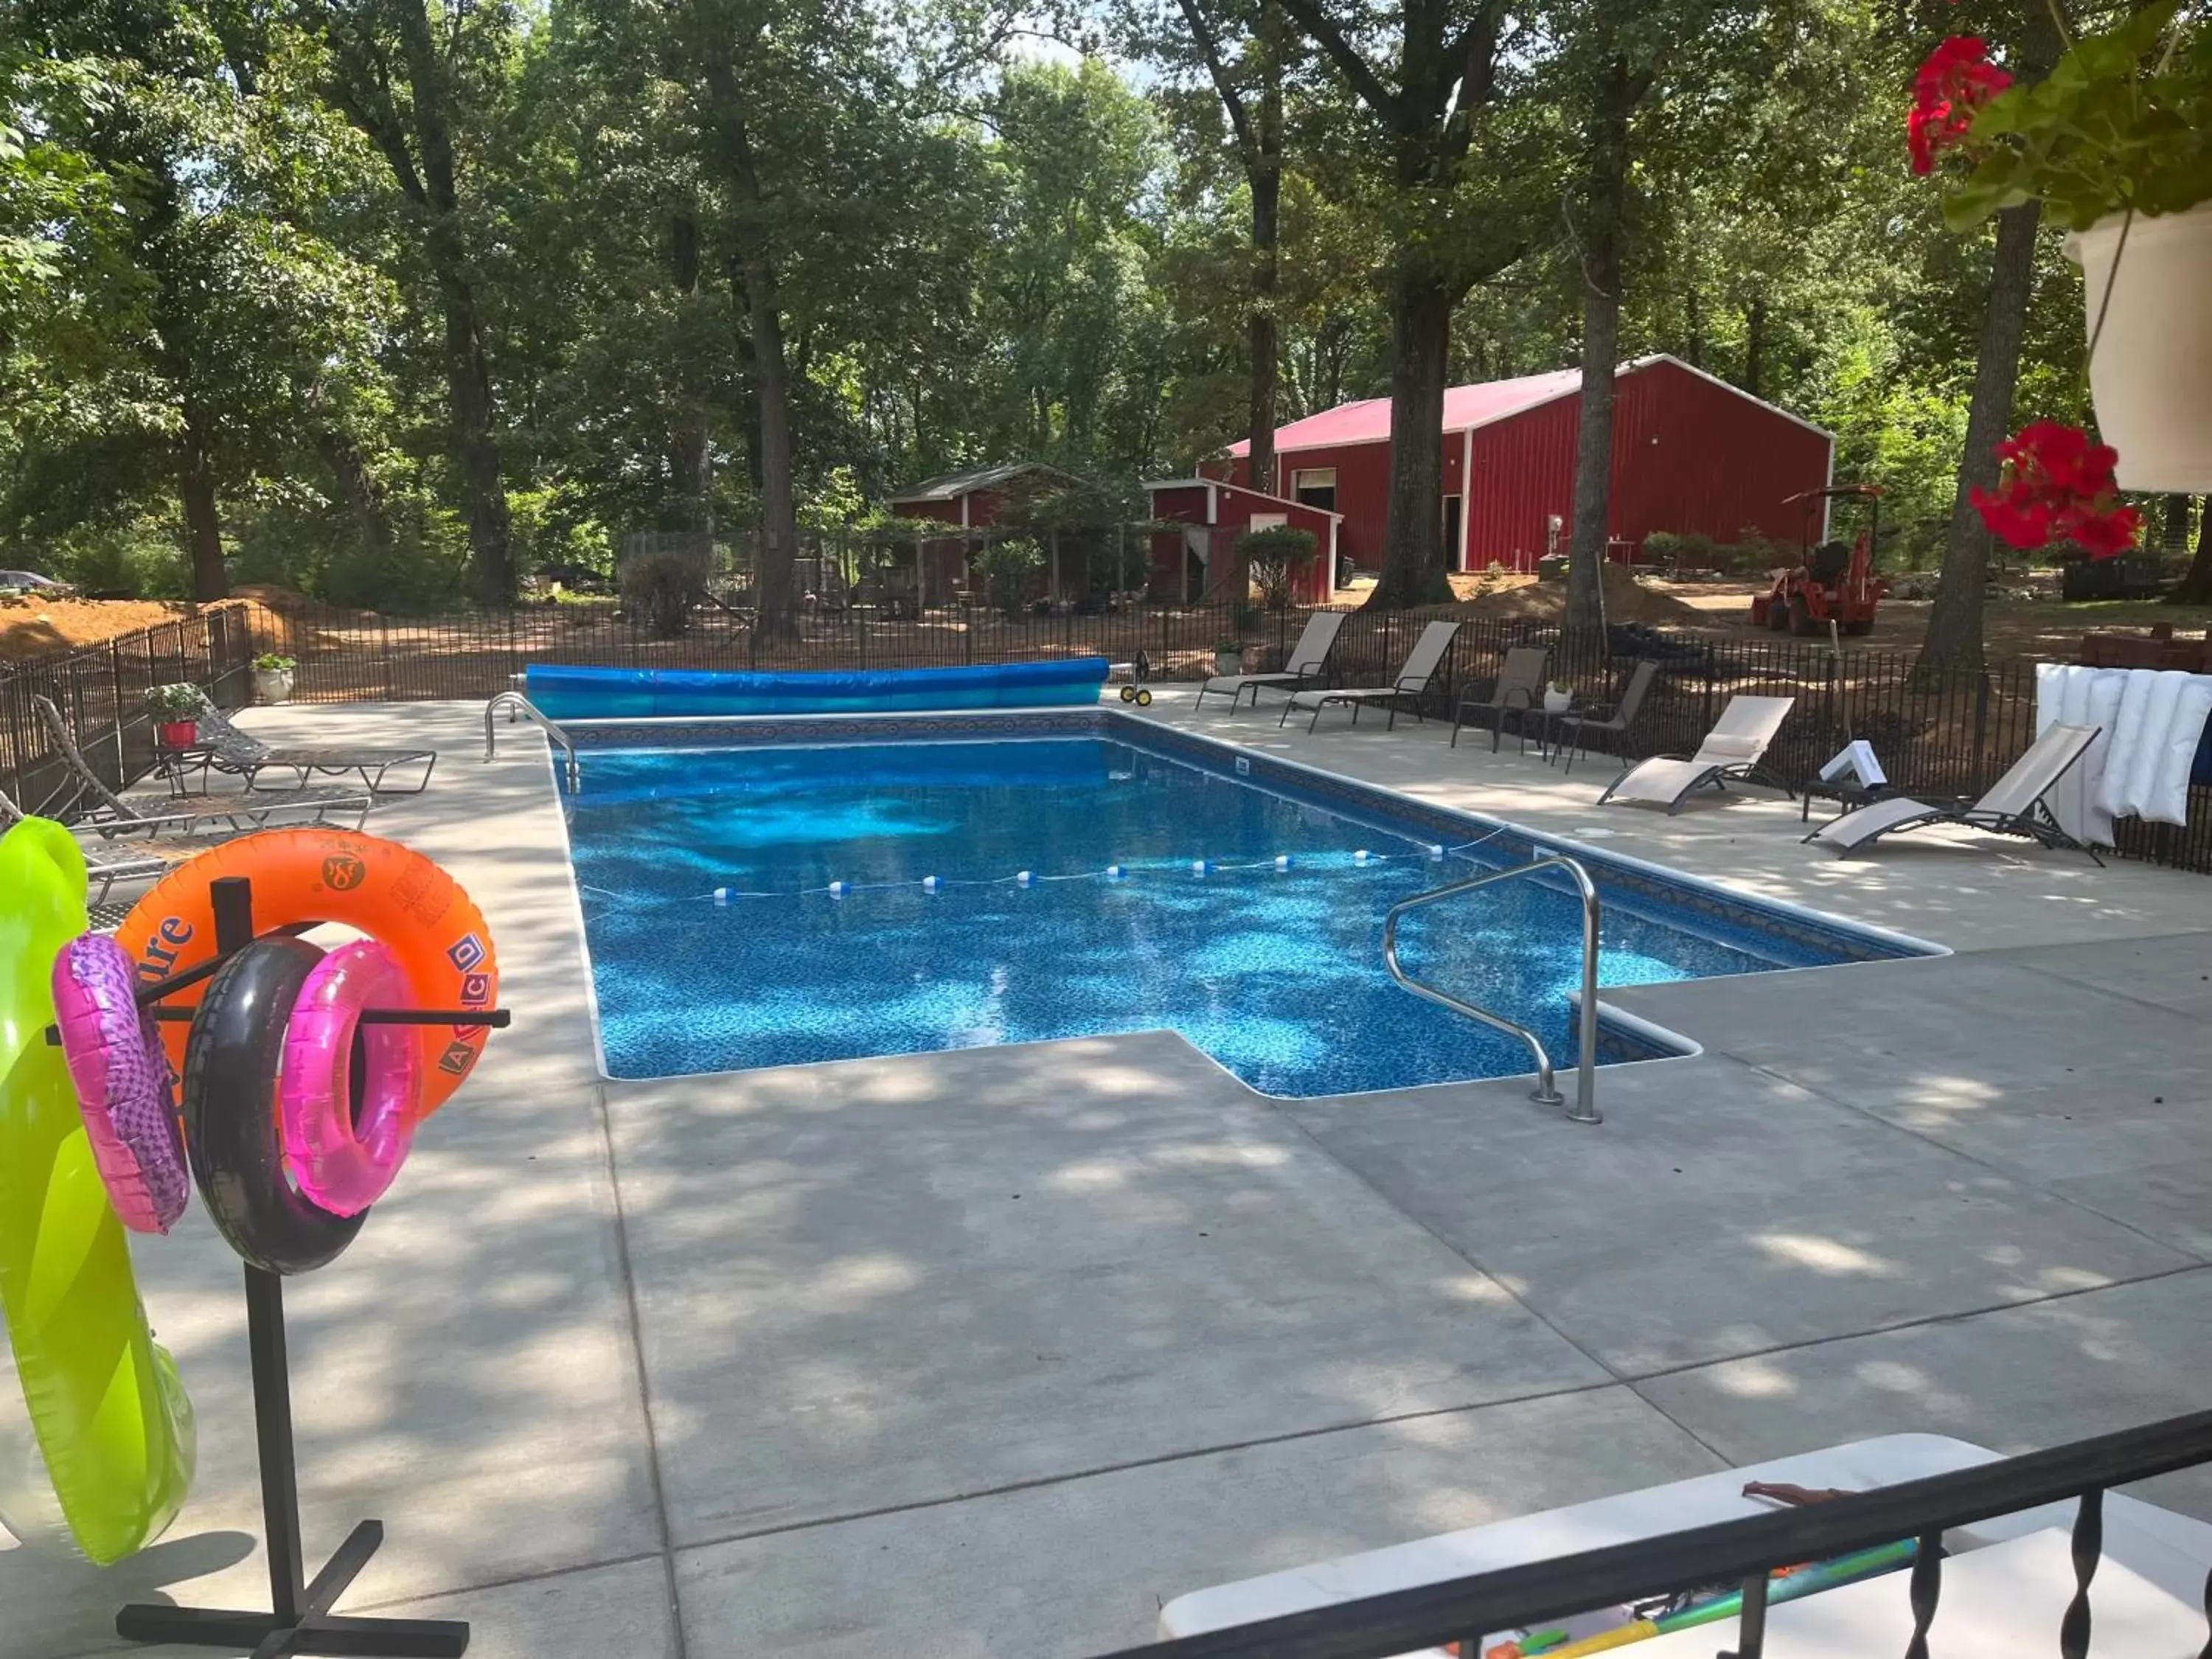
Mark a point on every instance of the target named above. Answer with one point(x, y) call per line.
point(1831, 583)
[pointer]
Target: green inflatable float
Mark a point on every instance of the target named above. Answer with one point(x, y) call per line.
point(95, 1433)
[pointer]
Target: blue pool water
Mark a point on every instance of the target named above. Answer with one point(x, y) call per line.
point(1275, 973)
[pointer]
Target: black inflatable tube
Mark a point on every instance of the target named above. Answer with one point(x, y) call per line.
point(237, 1154)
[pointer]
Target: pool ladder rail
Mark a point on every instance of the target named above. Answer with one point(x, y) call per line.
point(1547, 1092)
point(514, 703)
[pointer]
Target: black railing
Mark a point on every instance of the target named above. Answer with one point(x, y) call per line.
point(102, 689)
point(1462, 1610)
point(1936, 734)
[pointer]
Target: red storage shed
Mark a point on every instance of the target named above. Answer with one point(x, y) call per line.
point(1195, 564)
point(973, 500)
point(1690, 453)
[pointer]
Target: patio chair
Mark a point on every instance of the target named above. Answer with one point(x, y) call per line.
point(2014, 804)
point(111, 865)
point(1518, 688)
point(239, 752)
point(101, 810)
point(1730, 754)
point(1421, 665)
point(1613, 719)
point(1308, 662)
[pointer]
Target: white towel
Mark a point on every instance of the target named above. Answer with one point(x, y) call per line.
point(2131, 724)
point(2146, 712)
point(2167, 801)
point(2076, 696)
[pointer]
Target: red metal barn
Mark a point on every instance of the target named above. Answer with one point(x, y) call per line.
point(1197, 561)
point(1691, 454)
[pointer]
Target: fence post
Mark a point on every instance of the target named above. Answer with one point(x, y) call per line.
point(1981, 726)
point(861, 633)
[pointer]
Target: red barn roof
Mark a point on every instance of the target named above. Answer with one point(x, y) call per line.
point(1466, 407)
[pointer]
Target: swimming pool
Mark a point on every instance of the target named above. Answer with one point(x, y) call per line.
point(750, 904)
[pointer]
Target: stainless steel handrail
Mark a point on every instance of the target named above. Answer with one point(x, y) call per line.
point(515, 703)
point(1547, 1092)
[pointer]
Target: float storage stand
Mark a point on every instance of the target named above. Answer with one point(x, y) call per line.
point(300, 1620)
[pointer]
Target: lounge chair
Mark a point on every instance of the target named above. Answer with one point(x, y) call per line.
point(1308, 662)
point(98, 808)
point(233, 749)
point(2013, 805)
point(1421, 666)
point(114, 864)
point(1613, 719)
point(1730, 754)
point(1518, 688)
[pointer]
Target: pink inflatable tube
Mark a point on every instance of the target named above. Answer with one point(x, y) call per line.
point(123, 1086)
point(343, 1161)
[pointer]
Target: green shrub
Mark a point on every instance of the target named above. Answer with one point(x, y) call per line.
point(1273, 558)
point(1009, 565)
point(660, 588)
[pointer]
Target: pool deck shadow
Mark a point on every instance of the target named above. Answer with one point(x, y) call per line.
point(992, 1352)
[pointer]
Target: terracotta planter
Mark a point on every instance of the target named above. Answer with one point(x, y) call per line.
point(2151, 378)
point(178, 735)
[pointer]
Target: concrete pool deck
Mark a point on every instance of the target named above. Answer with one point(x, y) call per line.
point(992, 1353)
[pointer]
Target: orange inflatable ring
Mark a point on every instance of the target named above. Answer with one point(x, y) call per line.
point(390, 892)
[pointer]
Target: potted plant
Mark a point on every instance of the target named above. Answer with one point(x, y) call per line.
point(1557, 696)
point(2116, 141)
point(272, 677)
point(175, 710)
point(1228, 655)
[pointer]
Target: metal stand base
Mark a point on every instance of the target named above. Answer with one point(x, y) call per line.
point(300, 1621)
point(314, 1630)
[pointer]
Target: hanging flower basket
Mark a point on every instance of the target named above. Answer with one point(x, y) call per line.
point(2151, 377)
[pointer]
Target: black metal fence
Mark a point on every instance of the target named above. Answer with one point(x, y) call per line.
point(1940, 734)
point(102, 689)
point(1461, 1611)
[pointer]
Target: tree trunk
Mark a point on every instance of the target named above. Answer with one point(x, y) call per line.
point(1266, 179)
point(484, 474)
point(1414, 569)
point(1954, 624)
point(778, 621)
point(694, 433)
point(203, 525)
point(1754, 347)
point(1600, 262)
point(777, 615)
point(364, 496)
point(2196, 587)
point(436, 190)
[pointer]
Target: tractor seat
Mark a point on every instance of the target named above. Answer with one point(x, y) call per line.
point(1827, 562)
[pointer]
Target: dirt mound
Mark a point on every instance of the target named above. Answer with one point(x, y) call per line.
point(1487, 593)
point(44, 625)
point(38, 624)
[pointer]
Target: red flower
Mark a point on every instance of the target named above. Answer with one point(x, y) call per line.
point(1957, 80)
point(2058, 485)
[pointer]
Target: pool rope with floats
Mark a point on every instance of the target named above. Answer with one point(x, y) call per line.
point(305, 1076)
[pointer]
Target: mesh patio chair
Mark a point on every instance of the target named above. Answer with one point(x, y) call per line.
point(1307, 663)
point(1518, 688)
point(1405, 692)
point(239, 752)
point(96, 807)
point(1731, 753)
point(2013, 806)
point(1613, 719)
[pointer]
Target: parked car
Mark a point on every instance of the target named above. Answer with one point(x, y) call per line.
point(28, 580)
